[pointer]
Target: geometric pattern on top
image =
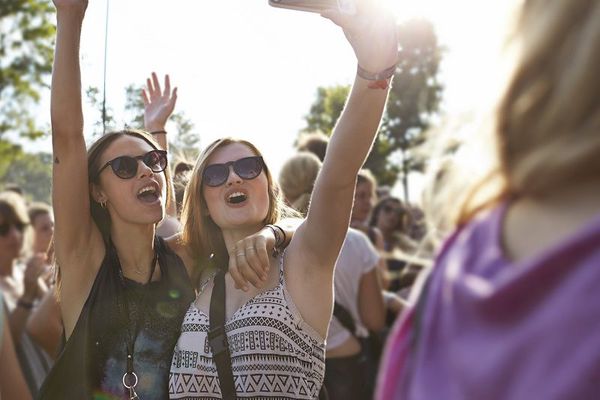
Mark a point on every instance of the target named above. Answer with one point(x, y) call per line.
point(274, 353)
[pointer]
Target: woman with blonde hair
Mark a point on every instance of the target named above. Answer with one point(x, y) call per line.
point(510, 310)
point(359, 307)
point(269, 341)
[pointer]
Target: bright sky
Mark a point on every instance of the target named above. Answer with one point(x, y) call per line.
point(249, 70)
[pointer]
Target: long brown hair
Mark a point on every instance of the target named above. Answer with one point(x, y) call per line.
point(547, 126)
point(200, 234)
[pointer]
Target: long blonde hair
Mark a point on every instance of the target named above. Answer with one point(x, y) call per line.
point(200, 234)
point(297, 179)
point(547, 126)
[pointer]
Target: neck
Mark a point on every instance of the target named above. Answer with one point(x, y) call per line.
point(232, 236)
point(135, 247)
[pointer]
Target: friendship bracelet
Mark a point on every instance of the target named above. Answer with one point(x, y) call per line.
point(380, 80)
point(158, 132)
point(280, 238)
point(379, 76)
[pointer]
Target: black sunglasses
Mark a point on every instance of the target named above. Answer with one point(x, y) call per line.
point(5, 227)
point(246, 168)
point(125, 167)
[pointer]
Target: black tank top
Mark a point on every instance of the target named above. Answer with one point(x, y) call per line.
point(93, 361)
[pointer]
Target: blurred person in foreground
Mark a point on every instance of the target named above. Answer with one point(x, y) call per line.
point(510, 309)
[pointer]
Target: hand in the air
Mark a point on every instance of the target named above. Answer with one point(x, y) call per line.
point(372, 32)
point(158, 104)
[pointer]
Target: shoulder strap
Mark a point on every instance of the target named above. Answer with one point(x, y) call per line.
point(344, 317)
point(218, 339)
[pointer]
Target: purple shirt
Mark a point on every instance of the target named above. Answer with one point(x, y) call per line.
point(492, 329)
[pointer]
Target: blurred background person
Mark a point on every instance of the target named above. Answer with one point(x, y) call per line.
point(359, 305)
point(22, 286)
point(12, 382)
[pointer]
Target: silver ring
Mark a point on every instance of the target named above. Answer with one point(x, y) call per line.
point(134, 376)
point(249, 248)
point(240, 254)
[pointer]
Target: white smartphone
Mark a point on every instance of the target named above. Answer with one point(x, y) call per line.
point(317, 6)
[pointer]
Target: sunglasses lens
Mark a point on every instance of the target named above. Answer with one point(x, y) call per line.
point(124, 167)
point(215, 175)
point(156, 160)
point(5, 228)
point(248, 168)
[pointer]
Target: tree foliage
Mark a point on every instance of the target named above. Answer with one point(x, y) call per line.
point(26, 43)
point(414, 100)
point(31, 172)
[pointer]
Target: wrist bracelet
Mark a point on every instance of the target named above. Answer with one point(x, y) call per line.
point(379, 76)
point(25, 304)
point(158, 132)
point(280, 238)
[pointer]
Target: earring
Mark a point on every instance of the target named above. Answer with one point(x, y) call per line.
point(102, 204)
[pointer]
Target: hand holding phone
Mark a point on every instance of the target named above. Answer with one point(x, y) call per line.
point(317, 6)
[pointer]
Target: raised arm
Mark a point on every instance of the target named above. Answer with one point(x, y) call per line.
point(158, 107)
point(78, 244)
point(372, 34)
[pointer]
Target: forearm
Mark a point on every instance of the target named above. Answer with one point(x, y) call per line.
point(65, 103)
point(355, 132)
point(18, 319)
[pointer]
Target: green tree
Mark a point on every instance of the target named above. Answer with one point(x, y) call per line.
point(106, 120)
point(414, 100)
point(26, 43)
point(33, 173)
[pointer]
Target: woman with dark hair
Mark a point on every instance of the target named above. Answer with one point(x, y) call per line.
point(123, 292)
point(269, 341)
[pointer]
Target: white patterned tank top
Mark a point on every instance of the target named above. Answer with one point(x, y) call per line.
point(275, 354)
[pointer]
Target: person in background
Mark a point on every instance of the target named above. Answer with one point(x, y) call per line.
point(510, 309)
point(359, 306)
point(42, 223)
point(22, 286)
point(391, 217)
point(12, 382)
point(315, 143)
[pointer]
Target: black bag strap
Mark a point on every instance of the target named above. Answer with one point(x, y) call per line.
point(344, 317)
point(218, 339)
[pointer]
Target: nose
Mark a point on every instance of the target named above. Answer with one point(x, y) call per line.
point(144, 170)
point(233, 177)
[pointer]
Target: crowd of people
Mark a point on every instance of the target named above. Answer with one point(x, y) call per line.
point(213, 278)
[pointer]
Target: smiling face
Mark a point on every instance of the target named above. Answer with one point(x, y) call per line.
point(138, 200)
point(237, 202)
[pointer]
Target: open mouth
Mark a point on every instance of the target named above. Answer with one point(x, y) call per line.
point(236, 198)
point(148, 194)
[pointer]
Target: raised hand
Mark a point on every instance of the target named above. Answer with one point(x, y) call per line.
point(372, 32)
point(158, 104)
point(36, 267)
